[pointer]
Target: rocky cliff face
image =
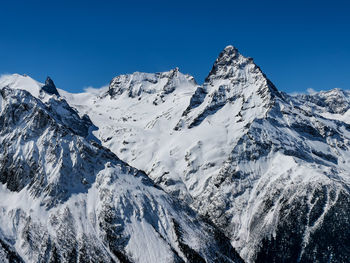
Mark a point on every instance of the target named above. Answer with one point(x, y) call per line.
point(268, 169)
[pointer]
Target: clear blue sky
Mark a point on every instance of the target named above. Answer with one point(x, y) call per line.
point(298, 44)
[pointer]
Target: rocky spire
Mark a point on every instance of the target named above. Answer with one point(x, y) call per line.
point(238, 69)
point(227, 59)
point(50, 87)
point(232, 79)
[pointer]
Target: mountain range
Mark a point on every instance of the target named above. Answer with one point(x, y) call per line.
point(157, 168)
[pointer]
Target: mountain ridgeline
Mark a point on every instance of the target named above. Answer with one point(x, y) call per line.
point(156, 168)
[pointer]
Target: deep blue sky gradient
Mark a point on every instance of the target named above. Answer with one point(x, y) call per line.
point(298, 44)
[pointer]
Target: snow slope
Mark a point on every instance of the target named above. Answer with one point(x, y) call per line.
point(66, 198)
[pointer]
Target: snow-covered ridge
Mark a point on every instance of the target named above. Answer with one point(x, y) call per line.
point(137, 84)
point(17, 81)
point(35, 88)
point(332, 104)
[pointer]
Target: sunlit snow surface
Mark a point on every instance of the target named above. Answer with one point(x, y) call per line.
point(65, 198)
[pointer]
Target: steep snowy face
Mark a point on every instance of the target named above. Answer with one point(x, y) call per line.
point(287, 173)
point(17, 81)
point(136, 115)
point(66, 199)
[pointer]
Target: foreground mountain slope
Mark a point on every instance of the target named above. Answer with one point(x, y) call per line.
point(269, 169)
point(65, 198)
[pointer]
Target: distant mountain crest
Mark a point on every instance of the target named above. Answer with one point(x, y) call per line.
point(154, 87)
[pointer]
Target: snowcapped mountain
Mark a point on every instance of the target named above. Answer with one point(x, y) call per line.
point(268, 169)
point(66, 198)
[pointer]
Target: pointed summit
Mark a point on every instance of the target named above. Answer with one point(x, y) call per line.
point(228, 52)
point(228, 60)
point(233, 80)
point(227, 56)
point(50, 87)
point(238, 71)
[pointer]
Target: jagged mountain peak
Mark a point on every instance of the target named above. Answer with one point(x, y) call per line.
point(229, 60)
point(227, 54)
point(240, 73)
point(49, 81)
point(237, 69)
point(53, 125)
point(233, 80)
point(50, 87)
point(229, 47)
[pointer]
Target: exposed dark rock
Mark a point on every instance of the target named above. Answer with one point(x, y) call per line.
point(50, 87)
